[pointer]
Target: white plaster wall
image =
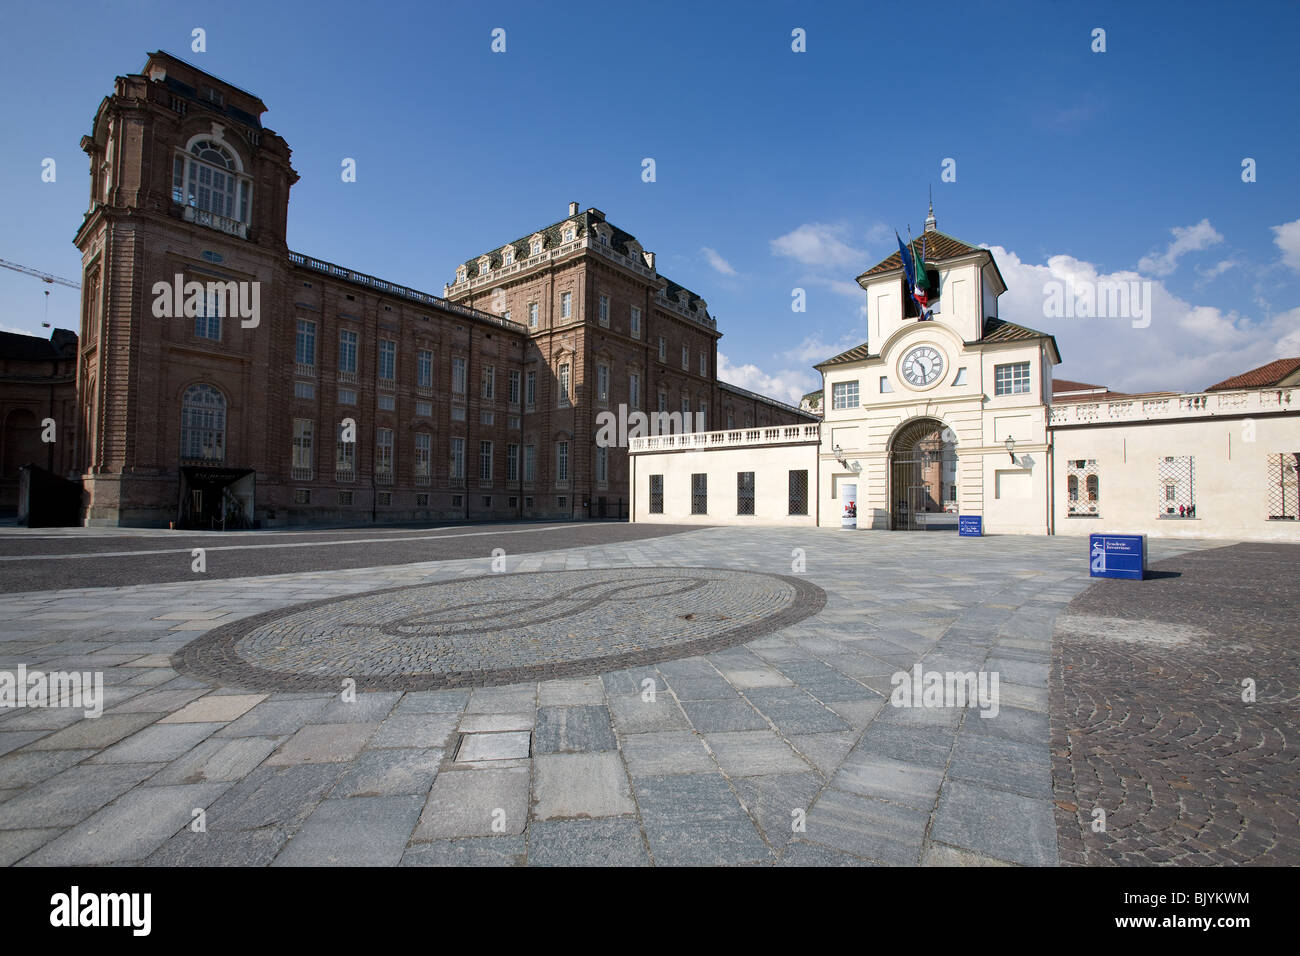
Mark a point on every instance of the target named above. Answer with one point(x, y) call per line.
point(771, 466)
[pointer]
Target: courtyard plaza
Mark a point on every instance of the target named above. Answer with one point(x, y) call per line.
point(712, 696)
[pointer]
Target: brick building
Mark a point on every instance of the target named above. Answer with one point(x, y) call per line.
point(226, 380)
point(37, 384)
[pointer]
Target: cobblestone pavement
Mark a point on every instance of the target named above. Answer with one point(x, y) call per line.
point(1149, 723)
point(781, 750)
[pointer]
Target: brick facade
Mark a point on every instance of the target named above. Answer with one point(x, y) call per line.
point(37, 384)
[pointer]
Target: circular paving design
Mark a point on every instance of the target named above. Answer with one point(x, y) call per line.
point(500, 628)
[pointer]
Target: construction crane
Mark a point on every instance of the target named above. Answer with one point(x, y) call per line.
point(43, 276)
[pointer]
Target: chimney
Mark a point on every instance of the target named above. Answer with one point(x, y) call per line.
point(573, 209)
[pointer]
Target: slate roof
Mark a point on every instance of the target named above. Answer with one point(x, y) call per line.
point(938, 247)
point(995, 330)
point(28, 348)
point(1270, 374)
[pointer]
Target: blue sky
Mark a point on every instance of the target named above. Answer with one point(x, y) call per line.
point(774, 169)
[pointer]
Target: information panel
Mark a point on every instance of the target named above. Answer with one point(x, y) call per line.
point(970, 526)
point(1118, 556)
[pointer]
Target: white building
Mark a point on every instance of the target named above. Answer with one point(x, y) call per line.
point(958, 414)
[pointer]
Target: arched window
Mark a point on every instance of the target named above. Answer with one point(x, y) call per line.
point(203, 424)
point(1094, 487)
point(1073, 483)
point(208, 177)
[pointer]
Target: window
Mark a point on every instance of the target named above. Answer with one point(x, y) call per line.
point(731, 419)
point(1283, 493)
point(387, 361)
point(489, 382)
point(1011, 379)
point(686, 406)
point(512, 422)
point(702, 416)
point(513, 380)
point(458, 413)
point(634, 323)
point(602, 383)
point(458, 458)
point(458, 376)
point(844, 395)
point(634, 390)
point(530, 463)
point(203, 424)
point(528, 502)
point(348, 352)
point(384, 499)
point(422, 500)
point(663, 401)
point(885, 387)
point(686, 358)
point(304, 346)
point(302, 496)
point(347, 396)
point(512, 462)
point(384, 452)
point(345, 498)
point(207, 322)
point(566, 304)
point(602, 464)
point(487, 501)
point(423, 454)
point(509, 257)
point(1176, 491)
point(1083, 488)
point(799, 492)
point(345, 456)
point(485, 461)
point(506, 315)
point(961, 377)
point(656, 494)
point(699, 494)
point(568, 235)
point(487, 418)
point(530, 390)
point(744, 493)
point(663, 349)
point(423, 409)
point(457, 501)
point(387, 403)
point(561, 461)
point(424, 368)
point(604, 311)
point(564, 385)
point(537, 247)
point(304, 390)
point(302, 456)
point(207, 179)
point(532, 314)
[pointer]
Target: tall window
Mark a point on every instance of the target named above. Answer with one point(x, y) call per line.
point(423, 454)
point(530, 463)
point(530, 389)
point(744, 492)
point(1083, 487)
point(564, 385)
point(384, 452)
point(663, 349)
point(844, 395)
point(699, 494)
point(458, 375)
point(602, 463)
point(656, 494)
point(424, 368)
point(345, 457)
point(532, 314)
point(489, 381)
point(514, 386)
point(799, 492)
point(604, 311)
point(1176, 488)
point(686, 406)
point(702, 416)
point(561, 461)
point(203, 424)
point(602, 383)
point(304, 346)
point(302, 449)
point(387, 360)
point(348, 352)
point(208, 178)
point(566, 304)
point(634, 325)
point(512, 462)
point(1012, 379)
point(485, 461)
point(634, 391)
point(686, 358)
point(458, 458)
point(207, 321)
point(1282, 469)
point(704, 363)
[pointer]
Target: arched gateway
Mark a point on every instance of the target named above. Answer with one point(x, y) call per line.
point(923, 477)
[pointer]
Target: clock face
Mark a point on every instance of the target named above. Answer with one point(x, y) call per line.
point(922, 366)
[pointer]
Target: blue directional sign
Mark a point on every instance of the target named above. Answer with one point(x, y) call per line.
point(970, 526)
point(1117, 556)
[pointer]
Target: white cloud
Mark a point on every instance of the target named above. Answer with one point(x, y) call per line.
point(814, 348)
point(1186, 239)
point(1219, 268)
point(718, 263)
point(1287, 238)
point(819, 244)
point(787, 385)
point(1185, 347)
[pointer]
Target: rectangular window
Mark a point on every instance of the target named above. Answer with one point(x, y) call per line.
point(635, 323)
point(345, 456)
point(702, 417)
point(304, 390)
point(422, 500)
point(387, 361)
point(514, 386)
point(566, 304)
point(602, 383)
point(1283, 492)
point(704, 363)
point(458, 458)
point(487, 418)
point(562, 461)
point(489, 382)
point(656, 494)
point(424, 368)
point(347, 396)
point(424, 409)
point(348, 352)
point(387, 403)
point(345, 498)
point(686, 357)
point(384, 452)
point(744, 492)
point(485, 461)
point(423, 455)
point(207, 323)
point(1176, 489)
point(532, 315)
point(1083, 488)
point(699, 494)
point(634, 391)
point(663, 401)
point(1012, 379)
point(799, 492)
point(530, 390)
point(458, 376)
point(302, 496)
point(885, 387)
point(602, 463)
point(512, 462)
point(458, 413)
point(384, 499)
point(530, 463)
point(304, 347)
point(604, 311)
point(686, 407)
point(512, 422)
point(564, 385)
point(487, 501)
point(302, 448)
point(844, 395)
point(663, 349)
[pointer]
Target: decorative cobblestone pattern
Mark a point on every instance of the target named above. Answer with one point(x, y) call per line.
point(1148, 720)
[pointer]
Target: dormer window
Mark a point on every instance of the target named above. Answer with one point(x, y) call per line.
point(509, 257)
point(461, 273)
point(484, 266)
point(537, 247)
point(569, 234)
point(208, 178)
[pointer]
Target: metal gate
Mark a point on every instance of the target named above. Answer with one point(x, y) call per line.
point(922, 478)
